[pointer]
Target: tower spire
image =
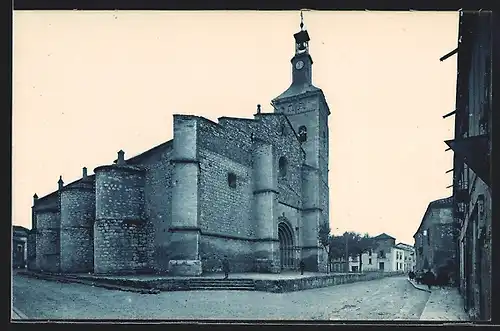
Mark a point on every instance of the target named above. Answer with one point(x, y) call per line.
point(301, 20)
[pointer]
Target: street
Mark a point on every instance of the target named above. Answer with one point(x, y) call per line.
point(388, 298)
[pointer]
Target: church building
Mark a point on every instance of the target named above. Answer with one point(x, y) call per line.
point(253, 190)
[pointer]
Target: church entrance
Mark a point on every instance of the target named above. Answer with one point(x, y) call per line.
point(289, 253)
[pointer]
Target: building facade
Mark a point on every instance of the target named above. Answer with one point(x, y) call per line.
point(408, 257)
point(254, 190)
point(385, 247)
point(19, 246)
point(435, 238)
point(472, 193)
point(369, 261)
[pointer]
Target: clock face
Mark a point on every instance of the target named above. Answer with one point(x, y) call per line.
point(299, 65)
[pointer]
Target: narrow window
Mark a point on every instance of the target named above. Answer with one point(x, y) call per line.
point(283, 129)
point(19, 248)
point(302, 134)
point(282, 164)
point(370, 261)
point(231, 180)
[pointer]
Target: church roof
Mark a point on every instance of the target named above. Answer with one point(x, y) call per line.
point(297, 90)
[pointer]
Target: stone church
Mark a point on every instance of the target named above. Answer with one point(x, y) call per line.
point(254, 190)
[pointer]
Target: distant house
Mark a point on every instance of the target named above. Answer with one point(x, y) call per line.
point(338, 264)
point(408, 256)
point(19, 251)
point(384, 245)
point(369, 261)
point(385, 256)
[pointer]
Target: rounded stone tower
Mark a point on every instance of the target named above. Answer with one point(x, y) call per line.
point(77, 221)
point(48, 226)
point(120, 240)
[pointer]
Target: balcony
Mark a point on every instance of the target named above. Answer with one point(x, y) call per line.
point(475, 152)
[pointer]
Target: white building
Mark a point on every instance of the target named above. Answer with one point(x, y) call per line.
point(409, 260)
point(338, 265)
point(386, 256)
point(369, 262)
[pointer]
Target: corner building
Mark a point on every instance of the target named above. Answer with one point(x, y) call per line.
point(254, 190)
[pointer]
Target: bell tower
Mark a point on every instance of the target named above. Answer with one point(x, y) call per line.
point(307, 110)
point(302, 61)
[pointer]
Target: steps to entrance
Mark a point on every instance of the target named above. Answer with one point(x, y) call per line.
point(222, 284)
point(150, 286)
point(153, 285)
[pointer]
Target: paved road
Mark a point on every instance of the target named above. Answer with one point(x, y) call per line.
point(388, 298)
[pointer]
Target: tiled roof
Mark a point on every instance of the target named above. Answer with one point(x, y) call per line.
point(297, 90)
point(383, 236)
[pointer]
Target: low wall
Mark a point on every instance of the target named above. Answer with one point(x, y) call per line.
point(298, 284)
point(185, 284)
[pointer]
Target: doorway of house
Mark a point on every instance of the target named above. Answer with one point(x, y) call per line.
point(381, 266)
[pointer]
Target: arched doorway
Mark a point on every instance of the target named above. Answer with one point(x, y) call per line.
point(288, 251)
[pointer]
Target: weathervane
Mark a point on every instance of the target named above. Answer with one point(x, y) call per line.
point(301, 20)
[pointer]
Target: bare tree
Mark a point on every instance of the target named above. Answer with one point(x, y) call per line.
point(324, 240)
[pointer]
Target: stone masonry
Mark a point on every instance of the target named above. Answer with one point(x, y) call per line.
point(435, 239)
point(253, 190)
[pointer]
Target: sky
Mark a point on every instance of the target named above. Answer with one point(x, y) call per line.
point(87, 84)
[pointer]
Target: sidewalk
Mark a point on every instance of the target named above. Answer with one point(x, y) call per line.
point(444, 304)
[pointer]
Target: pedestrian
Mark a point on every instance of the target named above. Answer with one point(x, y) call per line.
point(302, 266)
point(225, 267)
point(411, 275)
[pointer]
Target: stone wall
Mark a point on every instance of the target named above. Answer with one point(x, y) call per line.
point(224, 209)
point(48, 240)
point(157, 202)
point(290, 285)
point(120, 247)
point(276, 130)
point(435, 238)
point(31, 247)
point(119, 192)
point(240, 254)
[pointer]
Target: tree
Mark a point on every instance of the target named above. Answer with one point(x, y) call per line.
point(356, 245)
point(362, 245)
point(337, 247)
point(324, 240)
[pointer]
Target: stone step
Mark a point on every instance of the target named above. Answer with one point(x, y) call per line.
point(139, 287)
point(218, 288)
point(193, 281)
point(219, 284)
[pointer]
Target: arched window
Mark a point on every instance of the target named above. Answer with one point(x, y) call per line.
point(231, 180)
point(282, 164)
point(302, 133)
